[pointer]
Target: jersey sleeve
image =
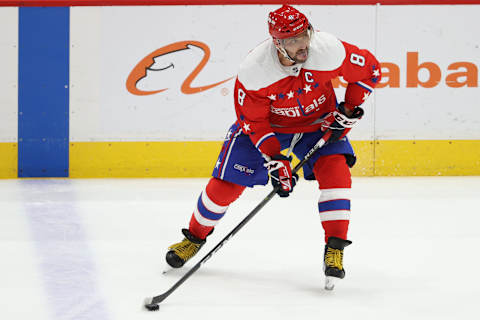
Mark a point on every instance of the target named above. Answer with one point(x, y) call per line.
point(362, 71)
point(253, 111)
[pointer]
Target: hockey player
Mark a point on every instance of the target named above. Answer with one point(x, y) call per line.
point(284, 88)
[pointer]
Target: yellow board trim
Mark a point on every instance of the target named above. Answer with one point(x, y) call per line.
point(8, 160)
point(197, 158)
point(427, 158)
point(143, 159)
point(365, 159)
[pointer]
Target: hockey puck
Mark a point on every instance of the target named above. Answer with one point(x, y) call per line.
point(152, 307)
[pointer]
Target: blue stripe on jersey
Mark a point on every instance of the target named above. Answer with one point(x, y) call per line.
point(331, 205)
point(207, 213)
point(364, 86)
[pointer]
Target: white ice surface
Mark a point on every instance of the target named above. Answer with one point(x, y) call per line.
point(94, 249)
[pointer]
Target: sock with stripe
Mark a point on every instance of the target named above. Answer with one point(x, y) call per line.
point(334, 180)
point(211, 206)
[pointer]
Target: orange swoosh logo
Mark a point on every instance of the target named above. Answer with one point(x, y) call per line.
point(140, 70)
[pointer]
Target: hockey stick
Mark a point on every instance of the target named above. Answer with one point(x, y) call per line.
point(152, 304)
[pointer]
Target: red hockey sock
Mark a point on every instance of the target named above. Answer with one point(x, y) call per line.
point(338, 228)
point(212, 205)
point(334, 180)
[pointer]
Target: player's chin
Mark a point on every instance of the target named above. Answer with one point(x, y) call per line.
point(301, 56)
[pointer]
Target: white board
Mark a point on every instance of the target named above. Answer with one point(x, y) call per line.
point(9, 74)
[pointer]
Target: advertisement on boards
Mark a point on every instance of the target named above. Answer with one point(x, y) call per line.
point(167, 73)
point(431, 62)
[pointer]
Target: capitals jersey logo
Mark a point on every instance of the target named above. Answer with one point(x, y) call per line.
point(299, 110)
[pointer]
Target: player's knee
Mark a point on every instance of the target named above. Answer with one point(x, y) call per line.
point(223, 192)
point(332, 171)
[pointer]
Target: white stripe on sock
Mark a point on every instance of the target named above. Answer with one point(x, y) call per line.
point(212, 206)
point(204, 221)
point(334, 194)
point(335, 215)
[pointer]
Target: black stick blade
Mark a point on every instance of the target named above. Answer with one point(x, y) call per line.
point(150, 305)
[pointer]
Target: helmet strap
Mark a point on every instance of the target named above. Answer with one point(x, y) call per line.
point(282, 50)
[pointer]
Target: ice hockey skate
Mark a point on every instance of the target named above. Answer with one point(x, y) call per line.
point(180, 253)
point(333, 261)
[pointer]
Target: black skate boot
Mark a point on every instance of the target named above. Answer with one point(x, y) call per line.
point(181, 252)
point(333, 261)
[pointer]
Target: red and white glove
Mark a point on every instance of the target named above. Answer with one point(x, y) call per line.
point(280, 172)
point(339, 123)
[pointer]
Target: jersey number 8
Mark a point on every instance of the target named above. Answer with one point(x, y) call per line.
point(357, 59)
point(241, 96)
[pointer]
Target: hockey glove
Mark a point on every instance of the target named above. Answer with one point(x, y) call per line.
point(339, 123)
point(280, 172)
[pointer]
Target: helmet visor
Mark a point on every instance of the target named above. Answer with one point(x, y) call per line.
point(300, 40)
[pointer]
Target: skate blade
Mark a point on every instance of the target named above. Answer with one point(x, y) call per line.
point(330, 282)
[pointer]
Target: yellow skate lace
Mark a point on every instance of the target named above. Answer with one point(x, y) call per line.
point(334, 258)
point(185, 249)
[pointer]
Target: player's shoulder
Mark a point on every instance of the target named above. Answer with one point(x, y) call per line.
point(259, 69)
point(327, 52)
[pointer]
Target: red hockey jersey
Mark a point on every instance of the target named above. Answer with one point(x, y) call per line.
point(270, 97)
